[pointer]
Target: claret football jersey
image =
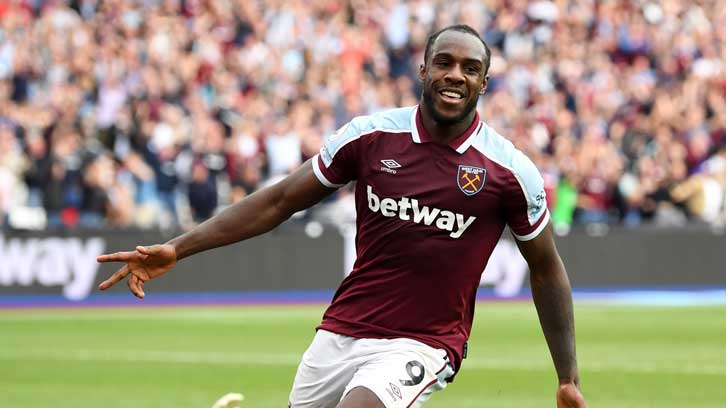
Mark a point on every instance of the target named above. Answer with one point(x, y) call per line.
point(428, 218)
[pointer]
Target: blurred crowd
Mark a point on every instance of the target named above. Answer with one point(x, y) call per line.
point(156, 113)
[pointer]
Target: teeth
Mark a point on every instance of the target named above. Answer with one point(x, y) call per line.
point(451, 94)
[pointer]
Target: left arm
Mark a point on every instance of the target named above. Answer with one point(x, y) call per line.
point(553, 299)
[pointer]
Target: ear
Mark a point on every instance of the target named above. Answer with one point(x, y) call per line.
point(484, 84)
point(422, 72)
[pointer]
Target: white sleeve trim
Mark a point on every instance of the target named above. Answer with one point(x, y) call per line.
point(414, 128)
point(533, 234)
point(321, 177)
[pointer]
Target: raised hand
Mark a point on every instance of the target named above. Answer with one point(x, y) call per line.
point(143, 264)
point(569, 396)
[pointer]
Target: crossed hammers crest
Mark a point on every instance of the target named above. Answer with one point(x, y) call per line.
point(469, 182)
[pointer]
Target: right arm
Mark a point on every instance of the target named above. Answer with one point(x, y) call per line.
point(254, 215)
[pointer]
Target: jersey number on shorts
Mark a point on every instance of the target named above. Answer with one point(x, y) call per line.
point(416, 371)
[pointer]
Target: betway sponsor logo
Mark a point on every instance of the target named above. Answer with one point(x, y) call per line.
point(66, 262)
point(442, 219)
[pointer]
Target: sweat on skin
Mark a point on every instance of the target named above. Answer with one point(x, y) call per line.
point(442, 219)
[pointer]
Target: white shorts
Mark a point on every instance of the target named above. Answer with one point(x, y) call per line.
point(403, 373)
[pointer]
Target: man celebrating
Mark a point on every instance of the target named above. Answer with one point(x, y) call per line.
point(435, 188)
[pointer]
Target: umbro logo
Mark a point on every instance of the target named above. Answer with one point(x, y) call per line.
point(394, 392)
point(390, 166)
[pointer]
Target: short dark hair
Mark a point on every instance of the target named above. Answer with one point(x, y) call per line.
point(462, 28)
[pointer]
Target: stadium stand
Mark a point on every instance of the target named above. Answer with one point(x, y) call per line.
point(150, 114)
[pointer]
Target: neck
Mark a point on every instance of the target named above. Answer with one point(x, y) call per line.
point(443, 133)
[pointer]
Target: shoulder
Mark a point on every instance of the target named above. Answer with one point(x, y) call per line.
point(525, 187)
point(501, 151)
point(390, 121)
point(397, 120)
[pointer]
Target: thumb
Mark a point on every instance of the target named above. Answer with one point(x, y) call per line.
point(149, 250)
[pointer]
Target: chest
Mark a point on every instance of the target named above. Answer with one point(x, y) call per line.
point(434, 175)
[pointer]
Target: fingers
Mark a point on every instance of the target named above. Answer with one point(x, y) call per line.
point(118, 257)
point(138, 276)
point(115, 278)
point(136, 286)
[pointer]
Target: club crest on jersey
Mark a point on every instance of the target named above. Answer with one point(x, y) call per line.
point(470, 179)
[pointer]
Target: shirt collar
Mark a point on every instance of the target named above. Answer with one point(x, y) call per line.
point(460, 143)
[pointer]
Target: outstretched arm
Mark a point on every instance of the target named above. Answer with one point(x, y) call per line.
point(254, 215)
point(553, 299)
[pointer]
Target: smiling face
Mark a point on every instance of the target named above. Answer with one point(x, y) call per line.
point(454, 76)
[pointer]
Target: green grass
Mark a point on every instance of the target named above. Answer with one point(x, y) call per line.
point(187, 357)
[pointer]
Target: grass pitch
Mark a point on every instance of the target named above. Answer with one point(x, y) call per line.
point(188, 357)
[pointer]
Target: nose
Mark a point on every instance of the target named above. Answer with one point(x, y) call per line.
point(455, 74)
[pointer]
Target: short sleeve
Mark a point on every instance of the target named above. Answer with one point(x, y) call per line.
point(525, 204)
point(336, 164)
